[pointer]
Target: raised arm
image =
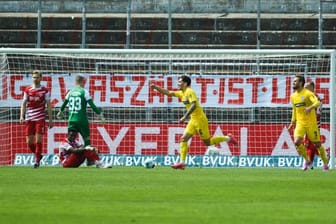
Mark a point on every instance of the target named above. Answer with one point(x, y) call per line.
point(162, 90)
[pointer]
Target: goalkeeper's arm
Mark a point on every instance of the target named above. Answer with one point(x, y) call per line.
point(60, 115)
point(97, 110)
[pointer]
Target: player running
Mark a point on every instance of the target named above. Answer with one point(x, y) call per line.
point(198, 123)
point(32, 113)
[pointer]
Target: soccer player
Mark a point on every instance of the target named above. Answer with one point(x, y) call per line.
point(72, 153)
point(33, 114)
point(77, 100)
point(198, 123)
point(304, 102)
point(311, 148)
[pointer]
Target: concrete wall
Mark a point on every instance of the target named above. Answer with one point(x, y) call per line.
point(178, 6)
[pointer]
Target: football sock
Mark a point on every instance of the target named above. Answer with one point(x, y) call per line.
point(218, 139)
point(302, 151)
point(323, 155)
point(311, 153)
point(32, 147)
point(183, 151)
point(38, 152)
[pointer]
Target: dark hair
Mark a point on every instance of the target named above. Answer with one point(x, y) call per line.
point(311, 83)
point(186, 79)
point(301, 79)
point(72, 131)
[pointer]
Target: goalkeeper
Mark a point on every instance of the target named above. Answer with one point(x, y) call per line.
point(198, 123)
point(77, 100)
point(72, 154)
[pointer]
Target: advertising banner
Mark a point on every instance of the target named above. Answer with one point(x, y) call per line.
point(134, 90)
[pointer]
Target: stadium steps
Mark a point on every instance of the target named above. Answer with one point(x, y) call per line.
point(150, 31)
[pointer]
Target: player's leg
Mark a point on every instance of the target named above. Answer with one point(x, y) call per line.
point(299, 133)
point(30, 133)
point(84, 130)
point(203, 130)
point(188, 133)
point(40, 127)
point(74, 160)
point(313, 134)
point(31, 130)
point(310, 149)
point(93, 156)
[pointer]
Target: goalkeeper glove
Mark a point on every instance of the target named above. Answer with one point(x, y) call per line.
point(59, 115)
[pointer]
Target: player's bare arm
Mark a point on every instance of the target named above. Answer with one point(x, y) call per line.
point(291, 125)
point(23, 111)
point(187, 114)
point(161, 90)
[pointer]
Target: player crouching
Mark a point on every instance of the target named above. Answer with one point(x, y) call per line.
point(72, 153)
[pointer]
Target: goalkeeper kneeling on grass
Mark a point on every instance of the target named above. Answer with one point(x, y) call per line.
point(72, 153)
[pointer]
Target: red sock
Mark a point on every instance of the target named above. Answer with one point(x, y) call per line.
point(311, 151)
point(32, 147)
point(38, 152)
point(91, 155)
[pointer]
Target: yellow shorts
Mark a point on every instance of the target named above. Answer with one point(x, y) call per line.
point(312, 132)
point(199, 126)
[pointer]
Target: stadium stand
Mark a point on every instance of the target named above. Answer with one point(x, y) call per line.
point(231, 24)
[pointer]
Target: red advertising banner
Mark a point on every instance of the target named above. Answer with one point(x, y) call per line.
point(161, 139)
point(134, 90)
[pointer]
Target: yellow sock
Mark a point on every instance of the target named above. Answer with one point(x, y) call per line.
point(218, 139)
point(302, 151)
point(323, 155)
point(183, 151)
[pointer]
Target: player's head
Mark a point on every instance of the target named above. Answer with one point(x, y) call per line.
point(80, 81)
point(36, 76)
point(72, 134)
point(299, 82)
point(310, 86)
point(184, 82)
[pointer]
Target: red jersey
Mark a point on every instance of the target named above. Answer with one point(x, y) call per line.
point(36, 101)
point(65, 146)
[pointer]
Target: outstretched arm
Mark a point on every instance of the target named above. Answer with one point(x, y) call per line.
point(161, 90)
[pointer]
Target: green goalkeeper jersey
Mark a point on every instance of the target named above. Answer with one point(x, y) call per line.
point(77, 100)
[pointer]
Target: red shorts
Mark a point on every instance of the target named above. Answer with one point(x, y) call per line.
point(35, 127)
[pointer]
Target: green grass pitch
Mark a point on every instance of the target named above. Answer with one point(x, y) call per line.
point(163, 195)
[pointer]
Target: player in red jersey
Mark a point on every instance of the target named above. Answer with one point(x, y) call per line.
point(72, 153)
point(311, 148)
point(32, 113)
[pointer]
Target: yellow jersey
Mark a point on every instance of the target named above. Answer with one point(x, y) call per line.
point(187, 97)
point(300, 101)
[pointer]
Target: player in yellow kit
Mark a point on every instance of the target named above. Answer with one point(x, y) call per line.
point(198, 123)
point(304, 103)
